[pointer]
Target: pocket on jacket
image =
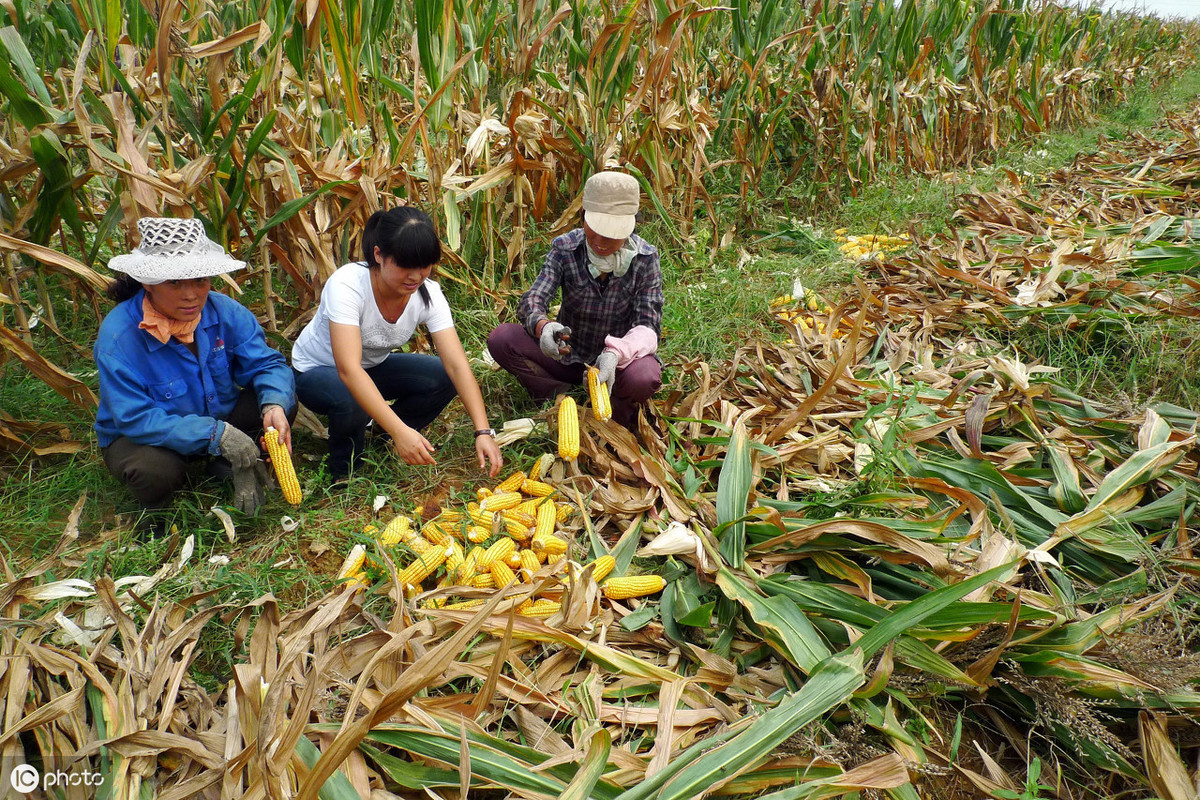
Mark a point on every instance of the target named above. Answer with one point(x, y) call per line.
point(171, 390)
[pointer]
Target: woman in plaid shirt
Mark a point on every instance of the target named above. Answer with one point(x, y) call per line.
point(611, 314)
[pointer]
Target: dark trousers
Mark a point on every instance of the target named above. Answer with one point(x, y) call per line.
point(416, 385)
point(519, 353)
point(153, 474)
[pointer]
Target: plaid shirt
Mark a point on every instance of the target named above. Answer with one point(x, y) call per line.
point(590, 310)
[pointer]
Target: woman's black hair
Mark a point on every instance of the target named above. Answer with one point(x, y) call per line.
point(407, 235)
point(122, 288)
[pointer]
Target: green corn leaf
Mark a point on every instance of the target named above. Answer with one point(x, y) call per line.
point(592, 767)
point(733, 495)
point(783, 625)
point(337, 786)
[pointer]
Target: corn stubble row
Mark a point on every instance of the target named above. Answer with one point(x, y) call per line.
point(506, 537)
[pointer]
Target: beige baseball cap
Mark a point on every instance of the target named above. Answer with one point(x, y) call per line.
point(610, 204)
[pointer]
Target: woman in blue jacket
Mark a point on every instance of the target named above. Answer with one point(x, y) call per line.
point(184, 372)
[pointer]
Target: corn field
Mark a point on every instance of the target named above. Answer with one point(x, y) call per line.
point(896, 558)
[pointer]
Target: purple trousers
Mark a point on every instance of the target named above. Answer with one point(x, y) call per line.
point(519, 353)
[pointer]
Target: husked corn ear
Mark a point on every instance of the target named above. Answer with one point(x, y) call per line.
point(423, 567)
point(598, 392)
point(482, 518)
point(549, 545)
point(477, 534)
point(529, 563)
point(604, 565)
point(418, 544)
point(529, 507)
point(472, 507)
point(449, 516)
point(483, 493)
point(541, 466)
point(484, 580)
point(285, 472)
point(546, 520)
point(514, 561)
point(463, 604)
point(353, 562)
point(518, 530)
point(500, 501)
point(455, 558)
point(512, 483)
point(568, 429)
point(499, 551)
point(370, 529)
point(502, 574)
point(540, 608)
point(466, 571)
point(435, 533)
point(537, 488)
point(396, 531)
point(437, 602)
point(637, 586)
point(563, 512)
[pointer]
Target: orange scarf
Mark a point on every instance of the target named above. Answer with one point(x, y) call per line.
point(163, 328)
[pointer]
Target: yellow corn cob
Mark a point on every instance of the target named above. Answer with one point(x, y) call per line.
point(449, 517)
point(484, 580)
point(466, 571)
point(353, 562)
point(546, 519)
point(514, 560)
point(537, 488)
point(541, 467)
point(563, 512)
point(396, 531)
point(604, 565)
point(637, 586)
point(370, 529)
point(435, 533)
point(499, 551)
point(477, 534)
point(482, 518)
point(500, 501)
point(529, 507)
point(520, 517)
point(418, 544)
point(455, 558)
point(463, 604)
point(568, 429)
point(483, 494)
point(437, 602)
point(512, 483)
point(502, 574)
point(517, 530)
point(598, 392)
point(423, 567)
point(285, 473)
point(529, 564)
point(549, 545)
point(357, 580)
point(540, 608)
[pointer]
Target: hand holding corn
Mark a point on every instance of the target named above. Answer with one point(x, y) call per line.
point(274, 416)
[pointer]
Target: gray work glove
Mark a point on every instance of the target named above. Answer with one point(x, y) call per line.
point(606, 368)
point(250, 488)
point(249, 474)
point(553, 340)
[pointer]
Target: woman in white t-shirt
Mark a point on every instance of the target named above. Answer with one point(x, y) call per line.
point(344, 360)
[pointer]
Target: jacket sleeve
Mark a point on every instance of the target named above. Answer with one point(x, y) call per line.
point(137, 404)
point(535, 303)
point(255, 364)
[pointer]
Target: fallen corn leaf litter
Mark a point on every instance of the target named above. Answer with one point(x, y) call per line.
point(924, 570)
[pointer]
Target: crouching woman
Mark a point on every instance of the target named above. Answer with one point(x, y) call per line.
point(185, 373)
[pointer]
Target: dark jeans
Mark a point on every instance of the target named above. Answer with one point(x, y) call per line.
point(153, 474)
point(416, 385)
point(519, 353)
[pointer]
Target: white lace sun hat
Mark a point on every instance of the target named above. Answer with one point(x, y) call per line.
point(174, 249)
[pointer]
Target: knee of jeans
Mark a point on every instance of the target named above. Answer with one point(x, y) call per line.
point(346, 412)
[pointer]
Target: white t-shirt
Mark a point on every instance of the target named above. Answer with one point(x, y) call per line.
point(347, 299)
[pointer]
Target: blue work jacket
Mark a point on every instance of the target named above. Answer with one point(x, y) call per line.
point(164, 395)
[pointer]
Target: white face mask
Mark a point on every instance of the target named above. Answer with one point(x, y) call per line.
point(617, 263)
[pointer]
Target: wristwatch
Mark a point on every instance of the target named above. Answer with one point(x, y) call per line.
point(486, 432)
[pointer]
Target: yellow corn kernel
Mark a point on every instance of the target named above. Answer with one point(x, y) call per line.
point(598, 392)
point(396, 531)
point(477, 534)
point(540, 608)
point(500, 501)
point(483, 518)
point(285, 472)
point(435, 533)
point(568, 429)
point(502, 574)
point(512, 483)
point(353, 562)
point(636, 586)
point(563, 512)
point(418, 544)
point(546, 520)
point(423, 567)
point(604, 565)
point(484, 580)
point(537, 488)
point(530, 563)
point(462, 605)
point(549, 545)
point(499, 551)
point(437, 602)
point(541, 467)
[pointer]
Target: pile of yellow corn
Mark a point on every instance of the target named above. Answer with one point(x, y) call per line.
point(792, 308)
point(870, 246)
point(505, 537)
